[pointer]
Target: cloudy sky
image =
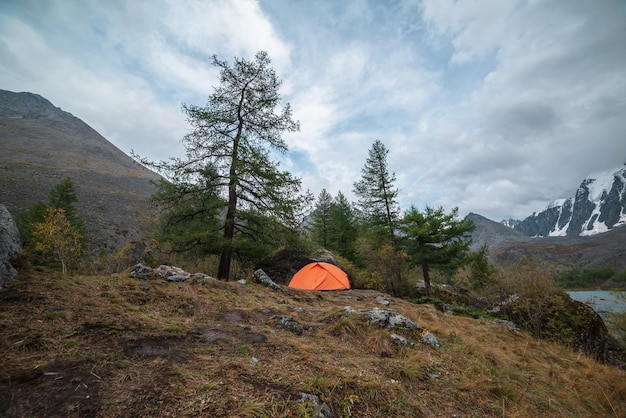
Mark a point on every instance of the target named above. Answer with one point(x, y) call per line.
point(494, 106)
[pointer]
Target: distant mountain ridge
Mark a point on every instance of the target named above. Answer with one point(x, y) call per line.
point(42, 144)
point(598, 206)
point(492, 233)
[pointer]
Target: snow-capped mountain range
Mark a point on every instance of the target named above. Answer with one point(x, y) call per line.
point(599, 206)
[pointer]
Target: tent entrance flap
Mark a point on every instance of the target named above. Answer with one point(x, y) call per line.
point(320, 276)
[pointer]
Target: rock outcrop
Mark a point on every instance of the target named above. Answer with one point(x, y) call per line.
point(284, 264)
point(9, 245)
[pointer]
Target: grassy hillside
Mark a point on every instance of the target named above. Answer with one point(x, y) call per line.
point(118, 347)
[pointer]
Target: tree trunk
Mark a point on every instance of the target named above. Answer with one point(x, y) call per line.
point(223, 271)
point(426, 277)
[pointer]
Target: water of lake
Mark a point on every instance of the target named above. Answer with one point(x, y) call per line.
point(601, 300)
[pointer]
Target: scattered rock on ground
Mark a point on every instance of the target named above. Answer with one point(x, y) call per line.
point(384, 318)
point(387, 318)
point(399, 339)
point(177, 278)
point(509, 324)
point(321, 410)
point(164, 271)
point(288, 323)
point(431, 340)
point(382, 300)
point(141, 271)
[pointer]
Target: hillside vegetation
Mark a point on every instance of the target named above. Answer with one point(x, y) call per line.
point(103, 346)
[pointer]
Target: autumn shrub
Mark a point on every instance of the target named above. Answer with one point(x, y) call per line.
point(57, 236)
point(528, 289)
point(360, 278)
point(385, 263)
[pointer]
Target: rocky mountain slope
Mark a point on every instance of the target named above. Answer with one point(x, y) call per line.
point(595, 251)
point(598, 206)
point(493, 233)
point(42, 144)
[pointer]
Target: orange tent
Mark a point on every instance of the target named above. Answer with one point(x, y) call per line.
point(320, 276)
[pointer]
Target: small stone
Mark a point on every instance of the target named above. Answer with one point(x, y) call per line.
point(289, 324)
point(431, 340)
point(381, 300)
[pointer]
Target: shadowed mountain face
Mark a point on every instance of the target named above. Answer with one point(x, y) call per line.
point(41, 145)
point(493, 233)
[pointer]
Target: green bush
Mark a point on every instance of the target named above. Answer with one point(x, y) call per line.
point(429, 300)
point(578, 278)
point(619, 277)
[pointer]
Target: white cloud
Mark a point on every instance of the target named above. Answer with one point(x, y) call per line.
point(493, 106)
point(476, 27)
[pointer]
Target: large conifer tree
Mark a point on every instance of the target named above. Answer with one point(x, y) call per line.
point(379, 213)
point(321, 219)
point(434, 239)
point(377, 193)
point(232, 138)
point(342, 231)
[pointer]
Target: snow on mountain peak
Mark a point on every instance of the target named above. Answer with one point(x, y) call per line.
point(556, 203)
point(599, 182)
point(599, 206)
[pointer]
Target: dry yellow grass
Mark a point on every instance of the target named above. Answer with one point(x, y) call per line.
point(104, 346)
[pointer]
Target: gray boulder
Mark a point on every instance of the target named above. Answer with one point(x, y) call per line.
point(384, 318)
point(259, 276)
point(9, 245)
point(141, 271)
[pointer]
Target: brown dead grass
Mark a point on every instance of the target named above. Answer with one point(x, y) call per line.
point(104, 346)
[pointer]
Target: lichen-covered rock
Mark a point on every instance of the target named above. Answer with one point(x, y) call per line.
point(259, 276)
point(384, 318)
point(141, 271)
point(165, 271)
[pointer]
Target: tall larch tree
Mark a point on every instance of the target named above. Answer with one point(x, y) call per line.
point(232, 137)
